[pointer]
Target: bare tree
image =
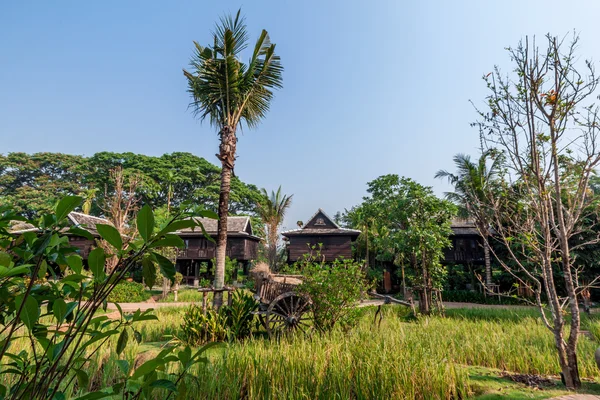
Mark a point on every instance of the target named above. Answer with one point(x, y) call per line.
point(543, 122)
point(120, 205)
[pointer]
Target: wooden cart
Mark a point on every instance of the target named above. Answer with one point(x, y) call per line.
point(282, 309)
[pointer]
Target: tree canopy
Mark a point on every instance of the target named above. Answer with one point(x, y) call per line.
point(32, 183)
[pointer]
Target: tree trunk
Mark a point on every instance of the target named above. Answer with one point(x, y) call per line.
point(488, 263)
point(227, 157)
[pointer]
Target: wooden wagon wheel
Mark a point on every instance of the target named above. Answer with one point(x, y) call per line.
point(288, 313)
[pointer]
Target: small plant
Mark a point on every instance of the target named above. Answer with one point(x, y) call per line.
point(128, 292)
point(199, 328)
point(204, 283)
point(239, 317)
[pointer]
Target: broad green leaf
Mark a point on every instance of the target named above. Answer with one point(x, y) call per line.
point(96, 261)
point(83, 379)
point(43, 270)
point(166, 266)
point(66, 205)
point(6, 272)
point(169, 241)
point(95, 396)
point(164, 384)
point(178, 225)
point(80, 232)
point(122, 342)
point(111, 235)
point(208, 214)
point(145, 368)
point(148, 272)
point(5, 259)
point(145, 222)
point(59, 309)
point(75, 263)
point(30, 312)
point(123, 366)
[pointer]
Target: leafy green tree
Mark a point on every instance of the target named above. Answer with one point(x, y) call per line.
point(473, 183)
point(271, 209)
point(33, 183)
point(230, 92)
point(412, 226)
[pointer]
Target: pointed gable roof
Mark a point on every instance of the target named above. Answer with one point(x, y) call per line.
point(321, 224)
point(236, 226)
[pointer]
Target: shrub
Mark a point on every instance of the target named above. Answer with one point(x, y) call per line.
point(128, 292)
point(198, 328)
point(239, 315)
point(232, 322)
point(334, 289)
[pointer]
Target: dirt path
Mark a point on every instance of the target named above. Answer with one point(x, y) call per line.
point(577, 397)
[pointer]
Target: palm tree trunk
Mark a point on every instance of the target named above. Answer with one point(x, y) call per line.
point(488, 263)
point(227, 157)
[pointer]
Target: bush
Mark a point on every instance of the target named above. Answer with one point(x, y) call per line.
point(232, 322)
point(128, 292)
point(467, 296)
point(199, 328)
point(239, 315)
point(334, 289)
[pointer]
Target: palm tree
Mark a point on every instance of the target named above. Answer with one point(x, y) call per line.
point(230, 92)
point(472, 185)
point(272, 211)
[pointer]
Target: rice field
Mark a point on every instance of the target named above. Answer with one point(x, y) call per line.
point(426, 358)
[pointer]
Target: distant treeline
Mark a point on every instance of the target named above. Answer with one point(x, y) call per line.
point(33, 182)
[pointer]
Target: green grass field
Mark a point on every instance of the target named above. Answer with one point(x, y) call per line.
point(461, 355)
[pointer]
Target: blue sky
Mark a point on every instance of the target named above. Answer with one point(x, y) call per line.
point(370, 87)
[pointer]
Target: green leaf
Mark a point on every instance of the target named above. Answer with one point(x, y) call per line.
point(75, 231)
point(6, 272)
point(166, 266)
point(31, 312)
point(95, 396)
point(5, 259)
point(208, 214)
point(96, 261)
point(148, 272)
point(169, 241)
point(75, 263)
point(145, 368)
point(164, 384)
point(43, 269)
point(59, 309)
point(111, 235)
point(145, 222)
point(66, 205)
point(122, 342)
point(123, 366)
point(178, 225)
point(83, 379)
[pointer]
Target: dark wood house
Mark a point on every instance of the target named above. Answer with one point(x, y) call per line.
point(467, 244)
point(80, 220)
point(320, 230)
point(242, 245)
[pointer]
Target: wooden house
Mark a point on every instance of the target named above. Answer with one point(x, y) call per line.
point(242, 245)
point(320, 230)
point(467, 244)
point(80, 220)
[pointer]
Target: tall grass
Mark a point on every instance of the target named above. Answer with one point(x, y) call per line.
point(420, 359)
